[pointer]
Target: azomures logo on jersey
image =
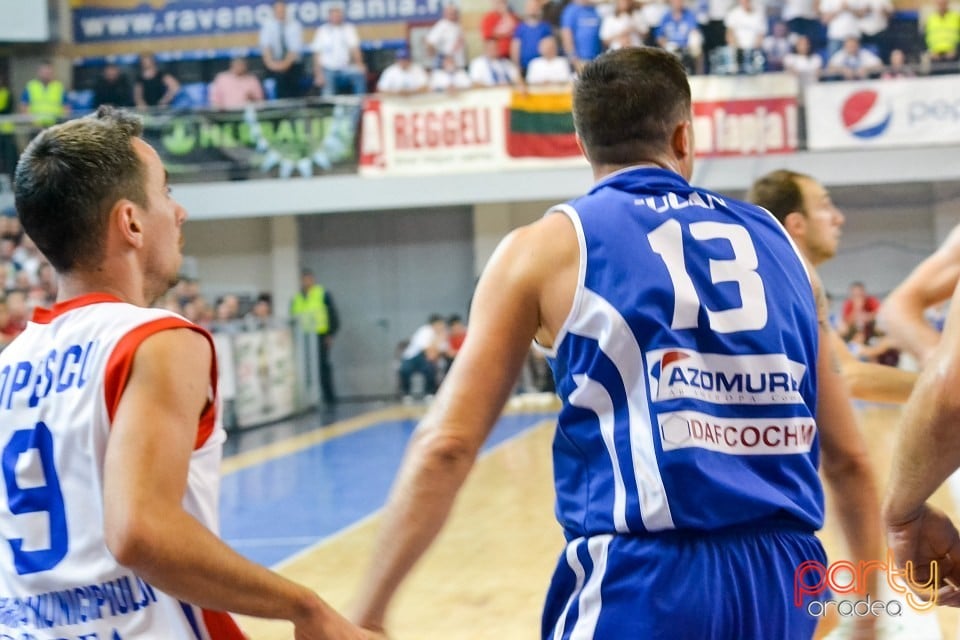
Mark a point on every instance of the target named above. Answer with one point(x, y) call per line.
point(724, 379)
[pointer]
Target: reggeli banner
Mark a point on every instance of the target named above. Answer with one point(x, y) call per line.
point(501, 129)
point(112, 20)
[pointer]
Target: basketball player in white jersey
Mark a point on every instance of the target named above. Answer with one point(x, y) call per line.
point(109, 420)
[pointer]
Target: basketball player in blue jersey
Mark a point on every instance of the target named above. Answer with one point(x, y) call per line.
point(684, 339)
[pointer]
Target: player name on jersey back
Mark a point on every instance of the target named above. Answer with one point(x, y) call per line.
point(56, 371)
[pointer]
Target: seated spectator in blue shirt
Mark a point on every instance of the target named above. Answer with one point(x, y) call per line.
point(580, 32)
point(527, 37)
point(679, 34)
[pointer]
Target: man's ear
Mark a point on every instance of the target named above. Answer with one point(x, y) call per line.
point(580, 146)
point(681, 142)
point(125, 220)
point(795, 223)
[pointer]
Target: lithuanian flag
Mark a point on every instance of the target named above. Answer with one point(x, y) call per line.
point(540, 125)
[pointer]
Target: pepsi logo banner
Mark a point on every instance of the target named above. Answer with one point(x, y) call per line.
point(905, 112)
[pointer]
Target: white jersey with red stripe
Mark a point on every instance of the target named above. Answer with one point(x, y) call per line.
point(60, 384)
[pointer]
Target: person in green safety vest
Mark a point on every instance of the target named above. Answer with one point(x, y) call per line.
point(44, 97)
point(941, 31)
point(8, 144)
point(314, 307)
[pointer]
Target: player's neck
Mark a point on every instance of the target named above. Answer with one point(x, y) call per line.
point(79, 283)
point(601, 171)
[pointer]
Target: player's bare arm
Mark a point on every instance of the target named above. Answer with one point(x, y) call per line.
point(507, 312)
point(930, 283)
point(927, 452)
point(846, 464)
point(145, 478)
point(871, 381)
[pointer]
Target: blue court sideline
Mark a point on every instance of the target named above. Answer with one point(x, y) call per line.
point(276, 508)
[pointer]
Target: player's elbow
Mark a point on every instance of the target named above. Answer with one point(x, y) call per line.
point(128, 536)
point(445, 452)
point(848, 468)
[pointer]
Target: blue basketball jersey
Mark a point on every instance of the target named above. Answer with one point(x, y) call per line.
point(687, 365)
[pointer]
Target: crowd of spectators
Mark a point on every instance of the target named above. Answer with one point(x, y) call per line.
point(829, 39)
point(26, 279)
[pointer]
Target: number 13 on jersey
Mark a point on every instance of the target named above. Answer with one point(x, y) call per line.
point(667, 241)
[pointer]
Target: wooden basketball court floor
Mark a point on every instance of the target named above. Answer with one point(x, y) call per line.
point(308, 507)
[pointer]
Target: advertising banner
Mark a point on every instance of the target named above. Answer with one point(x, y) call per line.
point(906, 112)
point(265, 378)
point(114, 20)
point(499, 129)
point(281, 141)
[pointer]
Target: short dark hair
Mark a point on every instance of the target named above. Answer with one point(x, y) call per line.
point(627, 103)
point(454, 318)
point(779, 193)
point(68, 180)
point(434, 318)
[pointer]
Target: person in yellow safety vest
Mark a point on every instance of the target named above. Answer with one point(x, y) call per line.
point(8, 145)
point(314, 307)
point(44, 97)
point(942, 33)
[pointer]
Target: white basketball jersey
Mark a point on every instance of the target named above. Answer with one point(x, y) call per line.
point(60, 383)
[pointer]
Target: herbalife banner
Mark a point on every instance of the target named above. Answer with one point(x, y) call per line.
point(281, 142)
point(113, 20)
point(906, 112)
point(499, 129)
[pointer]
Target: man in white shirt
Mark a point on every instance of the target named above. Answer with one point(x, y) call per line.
point(445, 38)
point(490, 70)
point(422, 354)
point(853, 62)
point(842, 20)
point(337, 60)
point(449, 77)
point(281, 39)
point(403, 77)
point(549, 68)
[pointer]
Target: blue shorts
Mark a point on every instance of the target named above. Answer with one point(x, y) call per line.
point(730, 585)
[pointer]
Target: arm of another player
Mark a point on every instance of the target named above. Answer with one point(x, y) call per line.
point(927, 451)
point(871, 381)
point(145, 476)
point(505, 316)
point(932, 281)
point(846, 463)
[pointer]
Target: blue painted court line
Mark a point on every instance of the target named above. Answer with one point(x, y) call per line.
point(274, 509)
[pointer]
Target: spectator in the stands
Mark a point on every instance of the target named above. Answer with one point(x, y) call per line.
point(941, 30)
point(842, 18)
point(525, 45)
point(898, 67)
point(337, 60)
point(874, 20)
point(803, 63)
point(490, 70)
point(422, 355)
point(853, 62)
point(281, 42)
point(404, 77)
point(112, 88)
point(653, 12)
point(236, 87)
point(624, 27)
point(549, 67)
point(714, 27)
point(261, 314)
point(17, 314)
point(499, 24)
point(446, 38)
point(776, 46)
point(44, 97)
point(449, 77)
point(154, 87)
point(456, 334)
point(748, 24)
point(802, 19)
point(580, 32)
point(679, 34)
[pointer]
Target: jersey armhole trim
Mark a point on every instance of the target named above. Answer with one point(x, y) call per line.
point(120, 363)
point(574, 217)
